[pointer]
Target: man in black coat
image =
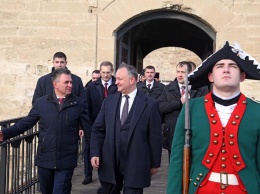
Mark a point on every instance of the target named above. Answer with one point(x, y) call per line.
point(96, 90)
point(150, 86)
point(94, 76)
point(172, 100)
point(126, 137)
point(60, 115)
point(44, 84)
point(96, 93)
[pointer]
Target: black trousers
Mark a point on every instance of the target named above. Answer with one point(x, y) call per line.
point(109, 188)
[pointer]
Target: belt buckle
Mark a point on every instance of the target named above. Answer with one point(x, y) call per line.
point(223, 177)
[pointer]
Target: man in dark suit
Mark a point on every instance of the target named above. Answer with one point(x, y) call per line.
point(44, 84)
point(95, 93)
point(150, 86)
point(172, 100)
point(126, 137)
point(99, 89)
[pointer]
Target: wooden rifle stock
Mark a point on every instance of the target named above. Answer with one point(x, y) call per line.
point(186, 154)
point(186, 170)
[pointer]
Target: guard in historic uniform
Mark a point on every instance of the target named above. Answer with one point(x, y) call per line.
point(225, 129)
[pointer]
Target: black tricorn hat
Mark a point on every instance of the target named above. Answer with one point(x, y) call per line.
point(247, 64)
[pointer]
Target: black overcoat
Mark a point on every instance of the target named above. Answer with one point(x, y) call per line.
point(95, 96)
point(170, 106)
point(144, 145)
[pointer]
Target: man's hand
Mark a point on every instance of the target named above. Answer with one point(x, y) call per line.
point(81, 133)
point(1, 136)
point(95, 162)
point(183, 98)
point(154, 171)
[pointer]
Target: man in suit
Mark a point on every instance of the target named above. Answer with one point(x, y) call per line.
point(150, 86)
point(101, 88)
point(60, 114)
point(225, 129)
point(172, 100)
point(96, 92)
point(126, 137)
point(44, 84)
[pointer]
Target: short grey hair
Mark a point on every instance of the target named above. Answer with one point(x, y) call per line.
point(55, 76)
point(132, 71)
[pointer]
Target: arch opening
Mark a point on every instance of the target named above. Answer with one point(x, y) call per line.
point(152, 30)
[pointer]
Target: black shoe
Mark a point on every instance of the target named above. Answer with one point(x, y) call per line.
point(87, 180)
point(100, 190)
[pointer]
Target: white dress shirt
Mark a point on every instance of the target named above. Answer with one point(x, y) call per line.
point(130, 100)
point(109, 83)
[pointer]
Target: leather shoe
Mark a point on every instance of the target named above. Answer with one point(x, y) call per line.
point(87, 180)
point(100, 190)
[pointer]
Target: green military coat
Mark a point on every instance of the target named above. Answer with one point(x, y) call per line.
point(248, 140)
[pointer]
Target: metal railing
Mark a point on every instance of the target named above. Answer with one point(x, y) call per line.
point(18, 173)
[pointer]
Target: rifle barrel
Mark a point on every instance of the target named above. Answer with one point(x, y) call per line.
point(186, 154)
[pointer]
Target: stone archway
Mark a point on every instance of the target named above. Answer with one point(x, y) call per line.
point(151, 30)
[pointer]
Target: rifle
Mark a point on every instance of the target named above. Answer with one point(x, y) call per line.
point(186, 154)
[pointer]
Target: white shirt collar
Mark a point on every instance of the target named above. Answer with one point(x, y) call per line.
point(189, 86)
point(149, 83)
point(131, 100)
point(108, 83)
point(132, 94)
point(180, 85)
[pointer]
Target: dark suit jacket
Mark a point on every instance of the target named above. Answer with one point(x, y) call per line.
point(144, 145)
point(170, 106)
point(156, 90)
point(95, 96)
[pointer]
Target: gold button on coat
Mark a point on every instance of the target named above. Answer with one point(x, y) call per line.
point(237, 116)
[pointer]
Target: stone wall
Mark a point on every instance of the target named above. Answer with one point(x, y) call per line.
point(32, 31)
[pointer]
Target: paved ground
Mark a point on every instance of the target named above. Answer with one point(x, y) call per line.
point(158, 185)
